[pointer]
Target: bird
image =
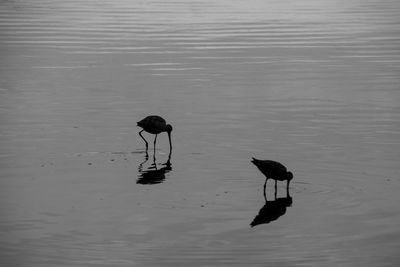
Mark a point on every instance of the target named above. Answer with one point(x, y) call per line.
point(273, 170)
point(155, 125)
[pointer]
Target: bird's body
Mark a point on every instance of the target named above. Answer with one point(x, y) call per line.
point(155, 125)
point(273, 170)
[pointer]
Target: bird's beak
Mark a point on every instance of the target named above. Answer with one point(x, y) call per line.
point(170, 144)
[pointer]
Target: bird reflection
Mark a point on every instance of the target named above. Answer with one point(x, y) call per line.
point(273, 209)
point(153, 174)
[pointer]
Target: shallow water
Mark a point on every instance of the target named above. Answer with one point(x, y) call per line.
point(312, 84)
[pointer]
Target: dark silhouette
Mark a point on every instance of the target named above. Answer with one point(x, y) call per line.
point(272, 210)
point(155, 125)
point(273, 170)
point(153, 175)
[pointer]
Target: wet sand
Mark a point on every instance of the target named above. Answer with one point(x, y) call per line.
point(312, 84)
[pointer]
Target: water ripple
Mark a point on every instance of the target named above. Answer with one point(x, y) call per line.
point(313, 82)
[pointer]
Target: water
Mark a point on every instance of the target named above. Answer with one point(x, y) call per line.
point(312, 84)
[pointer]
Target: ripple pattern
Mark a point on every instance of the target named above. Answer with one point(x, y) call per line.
point(213, 33)
point(312, 83)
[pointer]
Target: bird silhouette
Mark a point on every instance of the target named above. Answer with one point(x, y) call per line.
point(155, 125)
point(273, 170)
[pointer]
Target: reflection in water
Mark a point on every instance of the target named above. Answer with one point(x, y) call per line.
point(272, 210)
point(153, 175)
point(316, 80)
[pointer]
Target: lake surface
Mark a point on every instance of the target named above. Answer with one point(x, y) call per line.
point(312, 84)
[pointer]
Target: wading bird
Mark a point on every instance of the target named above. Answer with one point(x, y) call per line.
point(155, 125)
point(273, 170)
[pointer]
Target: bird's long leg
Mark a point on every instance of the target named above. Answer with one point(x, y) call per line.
point(287, 187)
point(265, 188)
point(170, 144)
point(140, 168)
point(168, 163)
point(155, 140)
point(154, 161)
point(276, 187)
point(147, 145)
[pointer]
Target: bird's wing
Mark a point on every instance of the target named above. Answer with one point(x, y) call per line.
point(269, 164)
point(153, 120)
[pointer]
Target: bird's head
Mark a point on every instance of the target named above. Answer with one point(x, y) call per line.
point(289, 176)
point(168, 128)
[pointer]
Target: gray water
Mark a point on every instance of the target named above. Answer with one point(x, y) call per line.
point(312, 84)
